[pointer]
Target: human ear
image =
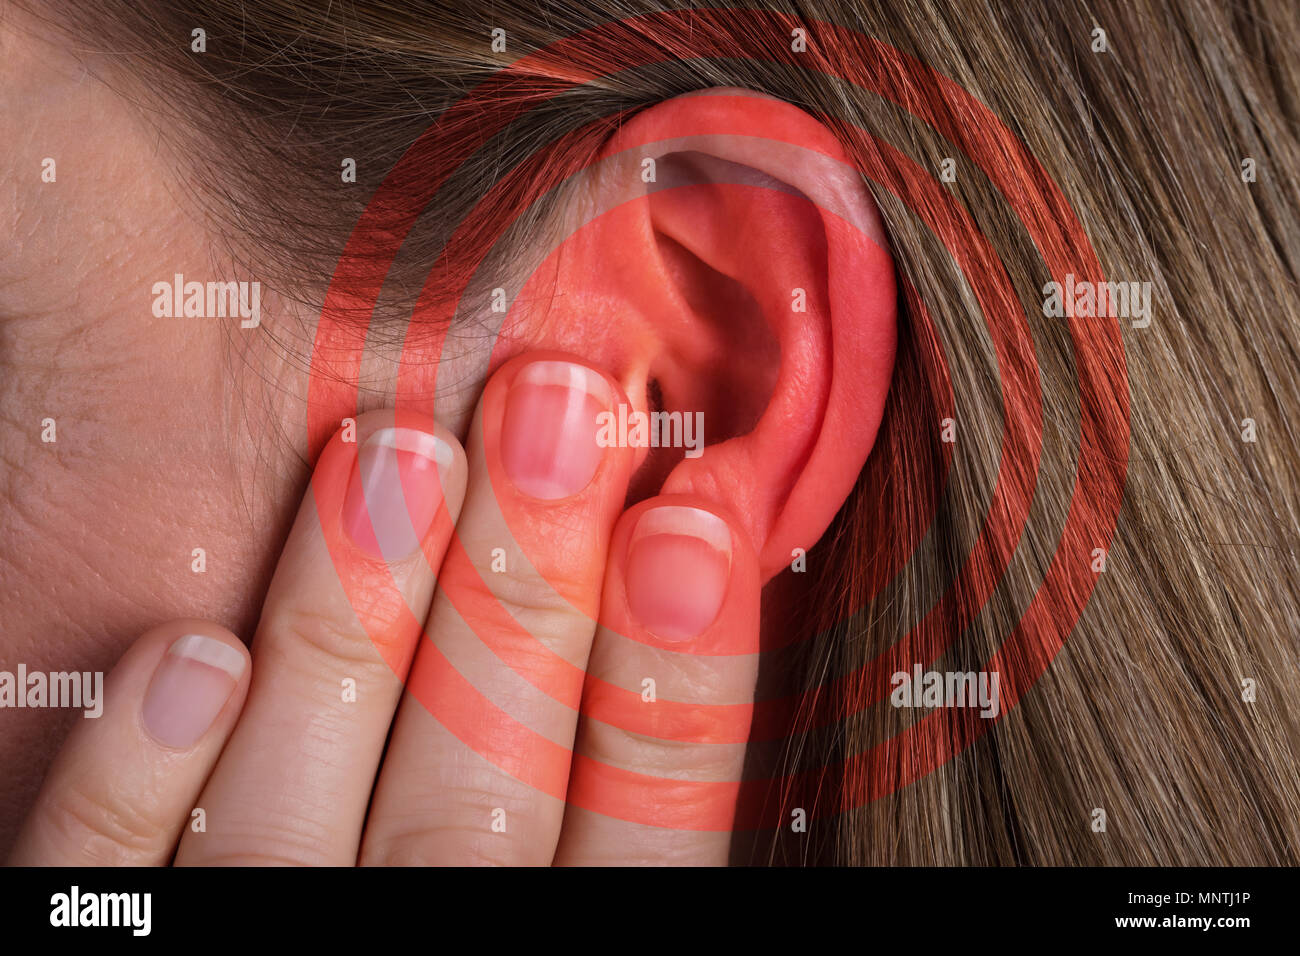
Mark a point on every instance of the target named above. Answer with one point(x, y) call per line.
point(728, 266)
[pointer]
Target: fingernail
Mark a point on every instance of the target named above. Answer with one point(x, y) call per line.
point(395, 491)
point(548, 431)
point(678, 565)
point(192, 683)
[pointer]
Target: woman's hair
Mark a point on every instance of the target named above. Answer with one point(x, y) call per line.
point(1170, 129)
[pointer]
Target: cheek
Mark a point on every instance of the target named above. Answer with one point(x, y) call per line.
point(99, 528)
point(102, 523)
point(138, 523)
point(97, 544)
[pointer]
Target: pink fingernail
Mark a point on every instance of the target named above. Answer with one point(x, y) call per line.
point(548, 431)
point(678, 565)
point(190, 687)
point(395, 491)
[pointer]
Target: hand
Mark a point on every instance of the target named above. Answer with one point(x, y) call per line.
point(474, 650)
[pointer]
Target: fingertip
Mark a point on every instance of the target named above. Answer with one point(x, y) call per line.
point(196, 685)
point(545, 423)
point(394, 478)
point(685, 577)
point(121, 785)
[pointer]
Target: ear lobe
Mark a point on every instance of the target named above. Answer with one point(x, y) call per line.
point(749, 279)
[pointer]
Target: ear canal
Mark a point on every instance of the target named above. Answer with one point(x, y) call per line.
point(719, 379)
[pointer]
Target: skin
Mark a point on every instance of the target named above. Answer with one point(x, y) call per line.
point(284, 772)
point(98, 529)
point(83, 502)
point(98, 499)
point(130, 482)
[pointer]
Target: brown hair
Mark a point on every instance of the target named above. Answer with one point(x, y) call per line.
point(1144, 714)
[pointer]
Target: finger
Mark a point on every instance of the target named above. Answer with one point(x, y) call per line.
point(339, 626)
point(123, 787)
point(478, 762)
point(669, 696)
